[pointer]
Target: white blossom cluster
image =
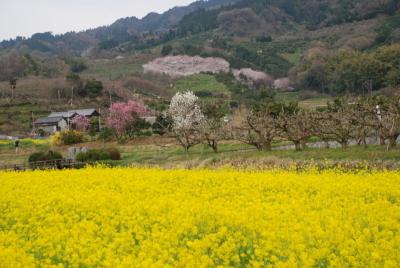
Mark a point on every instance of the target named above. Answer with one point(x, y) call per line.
point(185, 112)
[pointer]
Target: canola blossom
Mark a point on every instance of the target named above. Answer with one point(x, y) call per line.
point(126, 217)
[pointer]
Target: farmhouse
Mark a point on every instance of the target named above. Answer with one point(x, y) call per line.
point(51, 124)
point(60, 121)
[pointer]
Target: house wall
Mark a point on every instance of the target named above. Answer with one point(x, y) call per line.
point(48, 129)
point(63, 125)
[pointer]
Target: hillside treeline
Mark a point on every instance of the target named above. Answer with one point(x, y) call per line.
point(349, 71)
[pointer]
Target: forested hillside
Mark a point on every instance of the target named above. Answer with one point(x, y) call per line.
point(129, 29)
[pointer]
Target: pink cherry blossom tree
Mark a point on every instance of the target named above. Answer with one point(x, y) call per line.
point(122, 114)
point(80, 122)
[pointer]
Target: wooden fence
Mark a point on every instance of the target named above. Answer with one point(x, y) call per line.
point(43, 165)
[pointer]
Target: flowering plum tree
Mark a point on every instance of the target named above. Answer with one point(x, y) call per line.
point(186, 119)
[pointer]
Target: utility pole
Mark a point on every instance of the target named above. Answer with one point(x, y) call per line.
point(72, 96)
point(99, 119)
point(13, 86)
point(109, 92)
point(33, 122)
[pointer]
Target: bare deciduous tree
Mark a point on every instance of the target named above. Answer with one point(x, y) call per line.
point(255, 127)
point(296, 127)
point(387, 121)
point(214, 126)
point(340, 122)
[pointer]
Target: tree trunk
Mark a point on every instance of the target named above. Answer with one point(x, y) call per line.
point(297, 145)
point(259, 146)
point(365, 143)
point(327, 146)
point(382, 140)
point(344, 144)
point(213, 145)
point(304, 144)
point(392, 142)
point(186, 147)
point(267, 146)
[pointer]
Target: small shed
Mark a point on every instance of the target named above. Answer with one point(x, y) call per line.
point(51, 125)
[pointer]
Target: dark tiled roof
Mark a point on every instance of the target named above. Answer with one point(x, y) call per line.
point(68, 114)
point(85, 112)
point(72, 113)
point(48, 120)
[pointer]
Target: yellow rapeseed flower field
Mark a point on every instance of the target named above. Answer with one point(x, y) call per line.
point(125, 217)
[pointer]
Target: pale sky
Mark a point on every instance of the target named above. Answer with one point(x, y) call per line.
point(26, 17)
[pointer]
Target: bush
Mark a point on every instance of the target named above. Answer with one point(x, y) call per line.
point(77, 66)
point(114, 153)
point(92, 88)
point(264, 39)
point(45, 156)
point(166, 50)
point(307, 94)
point(106, 134)
point(56, 139)
point(72, 137)
point(144, 133)
point(94, 155)
point(94, 126)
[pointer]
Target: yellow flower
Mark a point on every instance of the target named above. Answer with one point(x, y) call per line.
point(126, 217)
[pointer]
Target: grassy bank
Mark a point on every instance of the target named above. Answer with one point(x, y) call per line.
point(170, 155)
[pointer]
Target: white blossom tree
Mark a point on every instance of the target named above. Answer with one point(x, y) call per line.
point(187, 119)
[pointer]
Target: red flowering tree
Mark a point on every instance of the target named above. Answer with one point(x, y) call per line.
point(122, 114)
point(80, 123)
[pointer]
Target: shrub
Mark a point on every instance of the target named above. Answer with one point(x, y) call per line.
point(56, 139)
point(144, 133)
point(93, 88)
point(93, 126)
point(72, 137)
point(114, 153)
point(44, 156)
point(106, 134)
point(166, 50)
point(94, 155)
point(76, 66)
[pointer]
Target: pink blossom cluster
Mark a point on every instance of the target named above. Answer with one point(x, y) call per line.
point(80, 122)
point(122, 114)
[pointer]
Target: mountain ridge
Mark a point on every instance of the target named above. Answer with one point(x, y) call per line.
point(123, 29)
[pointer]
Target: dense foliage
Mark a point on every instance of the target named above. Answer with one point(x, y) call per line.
point(71, 137)
point(94, 155)
point(350, 71)
point(44, 156)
